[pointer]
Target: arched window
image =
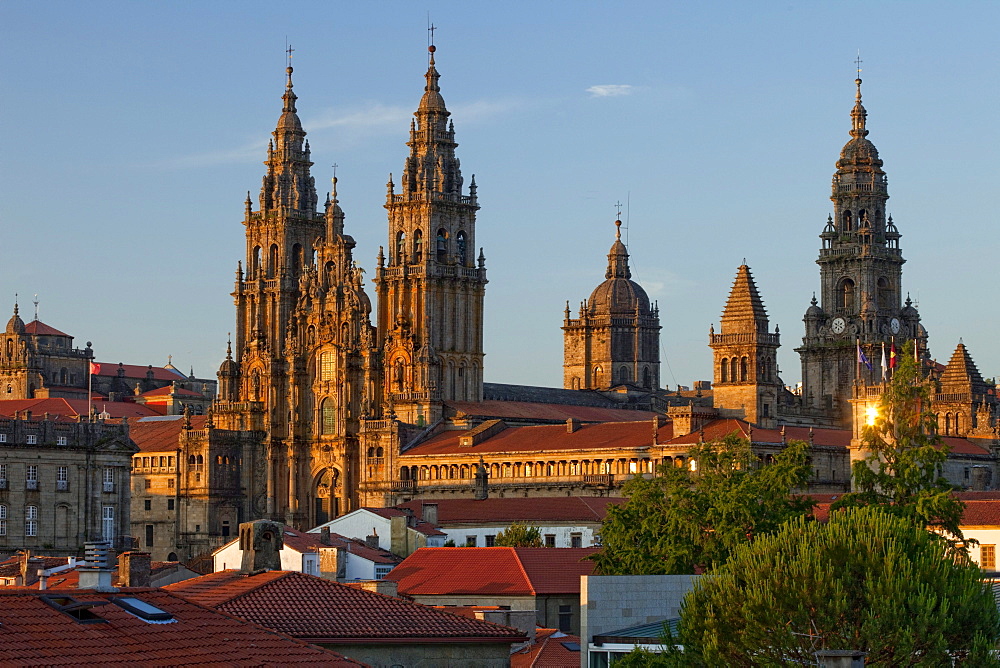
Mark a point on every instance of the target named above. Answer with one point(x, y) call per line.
point(401, 248)
point(623, 375)
point(328, 417)
point(647, 380)
point(733, 370)
point(597, 376)
point(847, 222)
point(743, 369)
point(255, 260)
point(62, 375)
point(379, 451)
point(461, 242)
point(442, 245)
point(272, 263)
point(884, 293)
point(846, 294)
point(296, 259)
point(724, 371)
point(315, 258)
point(418, 246)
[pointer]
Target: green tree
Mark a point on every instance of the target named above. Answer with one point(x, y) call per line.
point(689, 518)
point(902, 472)
point(867, 580)
point(519, 534)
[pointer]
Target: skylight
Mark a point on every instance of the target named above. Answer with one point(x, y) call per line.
point(143, 610)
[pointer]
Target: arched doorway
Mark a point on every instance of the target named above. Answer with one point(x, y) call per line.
point(326, 490)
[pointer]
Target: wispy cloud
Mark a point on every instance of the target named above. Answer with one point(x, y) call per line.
point(371, 117)
point(611, 90)
point(246, 153)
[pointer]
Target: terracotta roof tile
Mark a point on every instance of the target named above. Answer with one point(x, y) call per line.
point(981, 513)
point(167, 390)
point(58, 408)
point(421, 526)
point(513, 509)
point(308, 542)
point(548, 437)
point(39, 328)
point(548, 651)
point(326, 611)
point(526, 410)
point(161, 435)
point(36, 633)
point(110, 370)
point(493, 571)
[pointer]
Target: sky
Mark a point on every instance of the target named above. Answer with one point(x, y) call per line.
point(130, 133)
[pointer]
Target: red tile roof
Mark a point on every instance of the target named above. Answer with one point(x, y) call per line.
point(493, 571)
point(526, 410)
point(421, 526)
point(110, 370)
point(161, 435)
point(70, 578)
point(62, 408)
point(613, 435)
point(548, 651)
point(12, 567)
point(167, 390)
point(37, 634)
point(981, 513)
point(39, 328)
point(322, 610)
point(513, 509)
point(304, 543)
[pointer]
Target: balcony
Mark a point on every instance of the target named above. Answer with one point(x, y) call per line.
point(109, 486)
point(62, 485)
point(3, 483)
point(31, 484)
point(602, 479)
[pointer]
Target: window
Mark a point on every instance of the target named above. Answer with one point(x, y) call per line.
point(461, 242)
point(31, 520)
point(170, 483)
point(62, 479)
point(32, 439)
point(108, 523)
point(61, 440)
point(149, 535)
point(170, 504)
point(576, 540)
point(109, 479)
point(491, 540)
point(225, 528)
point(442, 246)
point(148, 483)
point(988, 557)
point(381, 571)
point(3, 438)
point(327, 366)
point(3, 476)
point(329, 415)
point(3, 520)
point(147, 504)
point(31, 477)
point(550, 540)
point(565, 618)
point(470, 541)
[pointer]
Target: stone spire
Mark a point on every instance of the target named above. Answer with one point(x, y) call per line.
point(858, 114)
point(618, 256)
point(15, 325)
point(961, 374)
point(288, 184)
point(432, 168)
point(744, 310)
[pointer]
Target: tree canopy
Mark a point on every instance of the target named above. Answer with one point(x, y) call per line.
point(690, 518)
point(519, 534)
point(902, 472)
point(867, 580)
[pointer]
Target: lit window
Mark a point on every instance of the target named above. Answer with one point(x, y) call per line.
point(3, 438)
point(988, 557)
point(32, 439)
point(109, 479)
point(61, 440)
point(3, 520)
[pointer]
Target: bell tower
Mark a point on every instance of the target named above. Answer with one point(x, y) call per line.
point(861, 267)
point(431, 286)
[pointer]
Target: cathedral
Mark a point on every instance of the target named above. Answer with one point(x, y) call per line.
point(361, 403)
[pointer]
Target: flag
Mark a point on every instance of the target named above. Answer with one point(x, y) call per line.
point(95, 369)
point(892, 355)
point(863, 359)
point(885, 363)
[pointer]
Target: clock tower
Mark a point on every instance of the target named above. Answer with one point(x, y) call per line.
point(861, 265)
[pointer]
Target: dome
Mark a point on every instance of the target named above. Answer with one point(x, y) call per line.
point(814, 311)
point(289, 121)
point(859, 151)
point(15, 325)
point(228, 367)
point(618, 296)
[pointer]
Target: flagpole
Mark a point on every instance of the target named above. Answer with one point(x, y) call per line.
point(90, 385)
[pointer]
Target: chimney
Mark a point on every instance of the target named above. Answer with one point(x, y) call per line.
point(134, 569)
point(324, 535)
point(332, 563)
point(430, 513)
point(372, 540)
point(95, 573)
point(572, 424)
point(410, 519)
point(261, 543)
point(30, 567)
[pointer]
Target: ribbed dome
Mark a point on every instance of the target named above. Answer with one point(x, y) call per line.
point(859, 151)
point(432, 100)
point(15, 325)
point(289, 121)
point(814, 311)
point(618, 296)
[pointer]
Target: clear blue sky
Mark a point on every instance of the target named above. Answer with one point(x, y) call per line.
point(132, 131)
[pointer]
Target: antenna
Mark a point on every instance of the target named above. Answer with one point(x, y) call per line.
point(628, 213)
point(36, 306)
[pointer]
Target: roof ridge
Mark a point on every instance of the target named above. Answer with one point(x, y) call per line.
point(520, 565)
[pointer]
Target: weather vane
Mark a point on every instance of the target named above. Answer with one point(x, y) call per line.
point(618, 206)
point(289, 50)
point(858, 61)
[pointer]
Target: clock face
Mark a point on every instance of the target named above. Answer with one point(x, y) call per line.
point(894, 325)
point(839, 325)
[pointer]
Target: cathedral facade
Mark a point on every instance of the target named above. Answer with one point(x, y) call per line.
point(373, 405)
